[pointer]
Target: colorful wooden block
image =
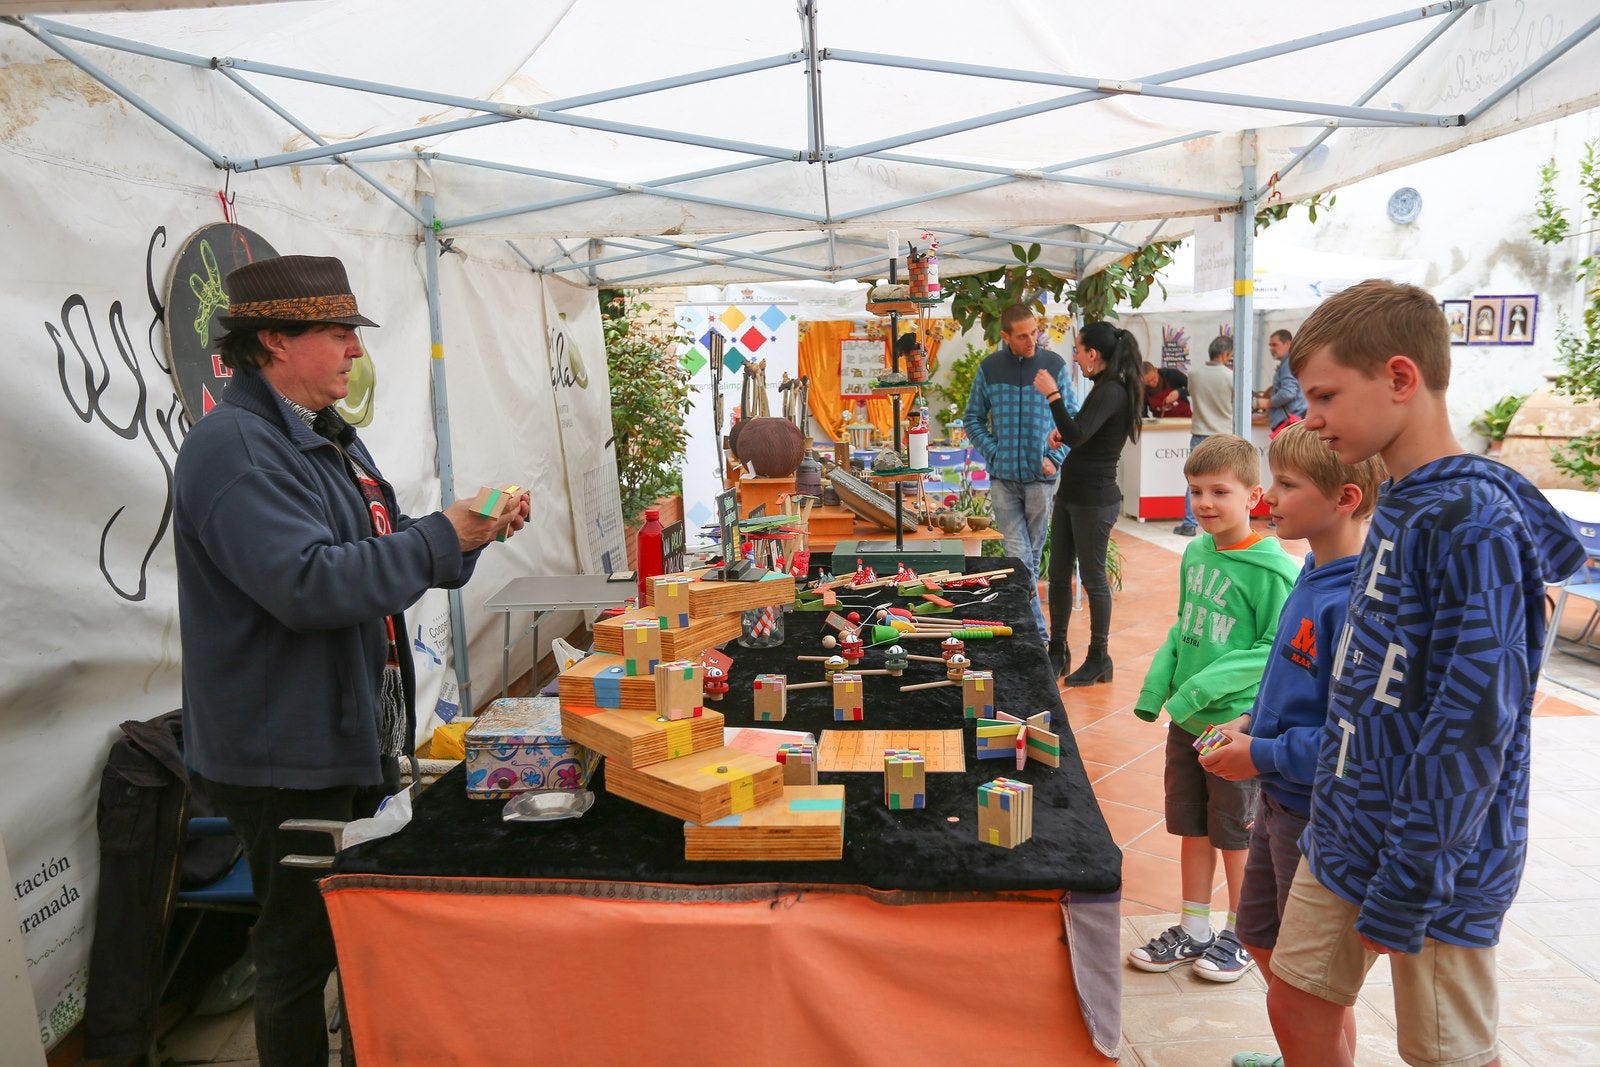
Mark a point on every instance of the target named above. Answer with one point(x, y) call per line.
point(671, 597)
point(700, 788)
point(1006, 735)
point(799, 763)
point(680, 689)
point(905, 780)
point(772, 697)
point(1209, 741)
point(639, 738)
point(977, 694)
point(847, 697)
point(805, 823)
point(641, 647)
point(1005, 812)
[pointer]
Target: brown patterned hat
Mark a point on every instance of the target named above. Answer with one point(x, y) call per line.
point(291, 289)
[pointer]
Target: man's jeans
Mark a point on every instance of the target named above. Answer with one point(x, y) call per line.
point(1188, 497)
point(1022, 515)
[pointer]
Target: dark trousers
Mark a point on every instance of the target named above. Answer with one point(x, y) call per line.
point(1079, 534)
point(291, 943)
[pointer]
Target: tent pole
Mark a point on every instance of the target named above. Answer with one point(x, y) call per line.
point(445, 461)
point(1244, 285)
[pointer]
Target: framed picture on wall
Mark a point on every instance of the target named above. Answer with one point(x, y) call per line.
point(1483, 321)
point(1456, 313)
point(1517, 320)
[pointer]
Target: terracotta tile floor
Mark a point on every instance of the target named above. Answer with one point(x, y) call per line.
point(1549, 959)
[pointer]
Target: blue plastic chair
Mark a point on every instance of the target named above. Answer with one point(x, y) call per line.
point(1585, 585)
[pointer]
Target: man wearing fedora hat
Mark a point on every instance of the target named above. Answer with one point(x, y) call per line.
point(295, 565)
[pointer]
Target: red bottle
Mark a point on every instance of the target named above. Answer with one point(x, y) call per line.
point(651, 561)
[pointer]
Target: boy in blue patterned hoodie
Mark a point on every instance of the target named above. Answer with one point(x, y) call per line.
point(1419, 810)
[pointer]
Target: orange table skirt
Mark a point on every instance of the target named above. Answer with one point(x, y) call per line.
point(499, 971)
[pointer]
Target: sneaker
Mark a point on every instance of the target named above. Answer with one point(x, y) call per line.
point(1188, 529)
point(1257, 1059)
point(1173, 947)
point(1225, 961)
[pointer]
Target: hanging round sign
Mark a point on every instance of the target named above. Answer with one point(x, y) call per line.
point(195, 298)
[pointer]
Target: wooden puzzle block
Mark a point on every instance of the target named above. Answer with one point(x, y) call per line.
point(772, 697)
point(687, 642)
point(700, 788)
point(1209, 741)
point(719, 598)
point(639, 738)
point(1005, 812)
point(601, 681)
point(670, 594)
point(799, 763)
point(806, 822)
point(1006, 735)
point(977, 694)
point(905, 780)
point(847, 697)
point(680, 689)
point(641, 647)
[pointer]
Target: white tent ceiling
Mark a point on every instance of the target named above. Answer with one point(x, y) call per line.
point(623, 143)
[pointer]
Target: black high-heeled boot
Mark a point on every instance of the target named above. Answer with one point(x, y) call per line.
point(1058, 660)
point(1096, 667)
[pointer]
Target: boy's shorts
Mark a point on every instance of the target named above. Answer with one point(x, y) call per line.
point(1268, 870)
point(1445, 1001)
point(1199, 804)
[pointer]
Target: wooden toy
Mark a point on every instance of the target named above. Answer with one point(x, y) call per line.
point(805, 822)
point(1005, 812)
point(1209, 741)
point(639, 738)
point(861, 750)
point(905, 783)
point(684, 642)
point(1006, 735)
point(680, 689)
point(847, 697)
point(955, 671)
point(772, 697)
point(702, 788)
point(952, 646)
point(799, 763)
point(670, 596)
point(977, 694)
point(720, 598)
point(884, 634)
point(600, 681)
point(501, 505)
point(716, 683)
point(641, 647)
point(850, 647)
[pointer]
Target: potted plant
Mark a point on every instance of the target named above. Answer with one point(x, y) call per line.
point(1495, 420)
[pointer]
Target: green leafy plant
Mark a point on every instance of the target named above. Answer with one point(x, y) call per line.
point(1577, 352)
point(1495, 420)
point(949, 401)
point(1277, 211)
point(649, 394)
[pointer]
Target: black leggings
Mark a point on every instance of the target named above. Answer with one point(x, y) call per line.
point(1079, 534)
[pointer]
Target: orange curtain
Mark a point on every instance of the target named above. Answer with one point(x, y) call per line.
point(819, 360)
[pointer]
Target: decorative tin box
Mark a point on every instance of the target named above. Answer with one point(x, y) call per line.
point(516, 745)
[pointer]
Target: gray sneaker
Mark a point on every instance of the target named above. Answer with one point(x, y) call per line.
point(1188, 529)
point(1173, 947)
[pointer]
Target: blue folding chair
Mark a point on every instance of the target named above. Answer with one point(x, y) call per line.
point(1582, 512)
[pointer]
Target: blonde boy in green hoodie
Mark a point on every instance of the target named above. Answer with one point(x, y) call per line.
point(1233, 586)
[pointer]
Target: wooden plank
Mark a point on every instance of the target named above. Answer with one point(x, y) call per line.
point(700, 788)
point(806, 822)
point(601, 681)
point(720, 598)
point(687, 643)
point(639, 738)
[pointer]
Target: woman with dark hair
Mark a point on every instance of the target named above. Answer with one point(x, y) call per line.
point(1088, 500)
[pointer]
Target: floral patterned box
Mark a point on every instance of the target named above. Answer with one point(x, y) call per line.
point(516, 745)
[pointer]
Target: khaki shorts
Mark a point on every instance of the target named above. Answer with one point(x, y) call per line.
point(1445, 1001)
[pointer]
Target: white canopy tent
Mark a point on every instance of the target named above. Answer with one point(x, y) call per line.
point(558, 146)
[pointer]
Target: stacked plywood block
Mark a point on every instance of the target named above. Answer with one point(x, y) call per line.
point(642, 707)
point(1005, 812)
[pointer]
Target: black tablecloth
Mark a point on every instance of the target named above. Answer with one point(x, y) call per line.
point(618, 840)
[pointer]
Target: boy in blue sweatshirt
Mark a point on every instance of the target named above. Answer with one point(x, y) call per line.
point(1419, 807)
point(1325, 502)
